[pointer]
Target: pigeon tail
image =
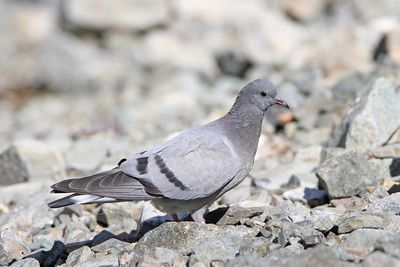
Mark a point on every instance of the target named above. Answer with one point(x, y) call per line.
point(108, 186)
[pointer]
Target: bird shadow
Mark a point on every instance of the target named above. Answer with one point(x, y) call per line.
point(60, 251)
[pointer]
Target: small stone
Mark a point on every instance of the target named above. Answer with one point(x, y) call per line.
point(27, 262)
point(233, 63)
point(324, 218)
point(159, 256)
point(79, 256)
point(378, 258)
point(12, 246)
point(387, 204)
point(110, 246)
point(353, 221)
point(387, 151)
point(236, 214)
point(122, 217)
point(311, 196)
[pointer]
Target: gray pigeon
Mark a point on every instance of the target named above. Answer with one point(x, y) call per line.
point(189, 171)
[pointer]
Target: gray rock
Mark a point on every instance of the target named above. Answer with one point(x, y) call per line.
point(338, 165)
point(28, 262)
point(12, 167)
point(236, 214)
point(111, 246)
point(378, 258)
point(311, 196)
point(318, 256)
point(359, 243)
point(31, 215)
point(296, 233)
point(387, 151)
point(349, 222)
point(349, 86)
point(233, 63)
point(186, 237)
point(119, 217)
point(126, 15)
point(161, 257)
point(79, 256)
point(102, 260)
point(198, 260)
point(364, 126)
point(77, 231)
point(30, 160)
point(387, 204)
point(324, 218)
point(12, 246)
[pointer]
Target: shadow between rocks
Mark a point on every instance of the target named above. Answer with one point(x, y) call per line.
point(60, 251)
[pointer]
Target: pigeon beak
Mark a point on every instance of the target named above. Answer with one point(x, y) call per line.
point(280, 102)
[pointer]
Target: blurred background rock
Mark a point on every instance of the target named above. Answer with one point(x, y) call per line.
point(85, 82)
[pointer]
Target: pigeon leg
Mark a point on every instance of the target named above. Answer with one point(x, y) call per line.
point(175, 217)
point(198, 215)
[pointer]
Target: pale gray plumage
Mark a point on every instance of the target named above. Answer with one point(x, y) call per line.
point(190, 171)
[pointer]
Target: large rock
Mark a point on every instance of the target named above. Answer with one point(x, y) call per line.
point(218, 242)
point(30, 160)
point(371, 120)
point(344, 172)
point(136, 15)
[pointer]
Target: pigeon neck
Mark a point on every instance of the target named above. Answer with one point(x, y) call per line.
point(244, 122)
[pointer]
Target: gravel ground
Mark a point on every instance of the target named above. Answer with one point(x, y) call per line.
point(84, 83)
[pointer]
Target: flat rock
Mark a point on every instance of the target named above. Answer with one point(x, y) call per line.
point(387, 204)
point(236, 214)
point(371, 120)
point(159, 256)
point(387, 151)
point(187, 237)
point(353, 221)
point(338, 165)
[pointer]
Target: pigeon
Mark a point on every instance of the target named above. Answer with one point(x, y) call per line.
point(188, 172)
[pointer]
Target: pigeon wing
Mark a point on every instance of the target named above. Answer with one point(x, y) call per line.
point(193, 165)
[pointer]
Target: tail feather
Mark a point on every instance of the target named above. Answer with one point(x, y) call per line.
point(108, 186)
point(79, 199)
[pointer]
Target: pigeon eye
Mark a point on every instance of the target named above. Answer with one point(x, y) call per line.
point(263, 94)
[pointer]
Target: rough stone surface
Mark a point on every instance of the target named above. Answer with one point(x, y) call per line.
point(79, 256)
point(387, 204)
point(187, 237)
point(12, 246)
point(363, 127)
point(338, 165)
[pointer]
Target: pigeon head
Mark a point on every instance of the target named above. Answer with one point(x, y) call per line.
point(260, 93)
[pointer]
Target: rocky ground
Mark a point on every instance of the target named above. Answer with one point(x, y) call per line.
point(84, 83)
